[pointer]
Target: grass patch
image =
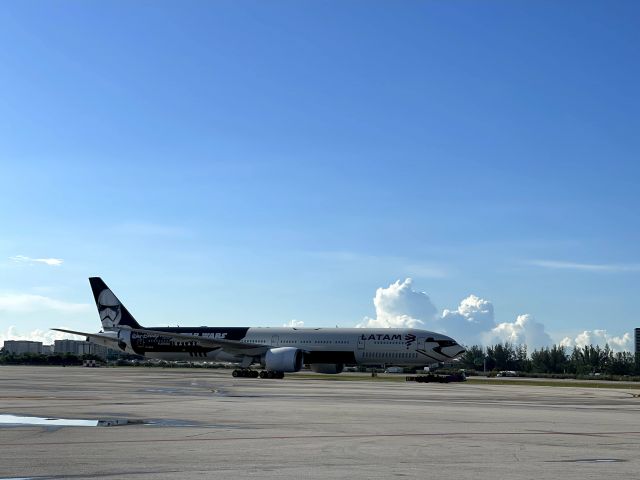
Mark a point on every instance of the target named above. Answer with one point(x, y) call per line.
point(470, 380)
point(553, 383)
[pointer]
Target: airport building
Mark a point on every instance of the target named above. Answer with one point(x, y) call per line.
point(22, 346)
point(74, 347)
point(637, 336)
point(80, 347)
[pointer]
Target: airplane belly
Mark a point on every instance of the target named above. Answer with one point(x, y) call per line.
point(330, 356)
point(169, 356)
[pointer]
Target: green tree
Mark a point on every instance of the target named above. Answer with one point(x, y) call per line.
point(502, 357)
point(473, 358)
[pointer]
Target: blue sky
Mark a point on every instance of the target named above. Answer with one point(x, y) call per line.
point(250, 163)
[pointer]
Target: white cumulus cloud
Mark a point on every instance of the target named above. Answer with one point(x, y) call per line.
point(52, 262)
point(399, 305)
point(469, 321)
point(601, 338)
point(524, 331)
point(473, 321)
point(47, 337)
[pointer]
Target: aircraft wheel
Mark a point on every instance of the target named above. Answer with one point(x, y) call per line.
point(269, 374)
point(254, 374)
point(234, 373)
point(263, 374)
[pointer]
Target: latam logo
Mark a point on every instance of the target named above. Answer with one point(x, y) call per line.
point(220, 335)
point(409, 338)
point(380, 336)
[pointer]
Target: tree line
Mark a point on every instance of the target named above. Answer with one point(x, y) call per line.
point(587, 360)
point(44, 359)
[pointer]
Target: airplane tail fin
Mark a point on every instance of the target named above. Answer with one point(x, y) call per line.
point(113, 313)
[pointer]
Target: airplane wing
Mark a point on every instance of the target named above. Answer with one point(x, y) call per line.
point(230, 346)
point(235, 347)
point(110, 339)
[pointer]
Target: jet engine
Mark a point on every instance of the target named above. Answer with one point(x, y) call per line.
point(283, 359)
point(331, 368)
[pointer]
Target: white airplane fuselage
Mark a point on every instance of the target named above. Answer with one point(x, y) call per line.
point(350, 346)
point(279, 350)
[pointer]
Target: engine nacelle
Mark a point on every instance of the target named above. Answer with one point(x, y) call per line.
point(330, 368)
point(283, 359)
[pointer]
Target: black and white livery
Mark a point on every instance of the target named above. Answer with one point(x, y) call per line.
point(276, 350)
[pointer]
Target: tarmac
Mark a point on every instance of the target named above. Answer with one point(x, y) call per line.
point(202, 423)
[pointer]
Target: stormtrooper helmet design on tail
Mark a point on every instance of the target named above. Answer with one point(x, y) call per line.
point(109, 309)
point(113, 314)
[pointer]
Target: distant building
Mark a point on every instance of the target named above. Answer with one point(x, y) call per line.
point(22, 346)
point(47, 349)
point(75, 347)
point(637, 332)
point(65, 346)
point(80, 347)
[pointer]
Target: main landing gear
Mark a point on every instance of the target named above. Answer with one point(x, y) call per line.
point(246, 373)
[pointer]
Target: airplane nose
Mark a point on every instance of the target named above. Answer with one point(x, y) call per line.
point(449, 348)
point(453, 351)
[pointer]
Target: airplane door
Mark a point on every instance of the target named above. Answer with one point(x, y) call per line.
point(360, 343)
point(275, 341)
point(421, 343)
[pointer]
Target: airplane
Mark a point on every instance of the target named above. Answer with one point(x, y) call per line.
point(276, 350)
